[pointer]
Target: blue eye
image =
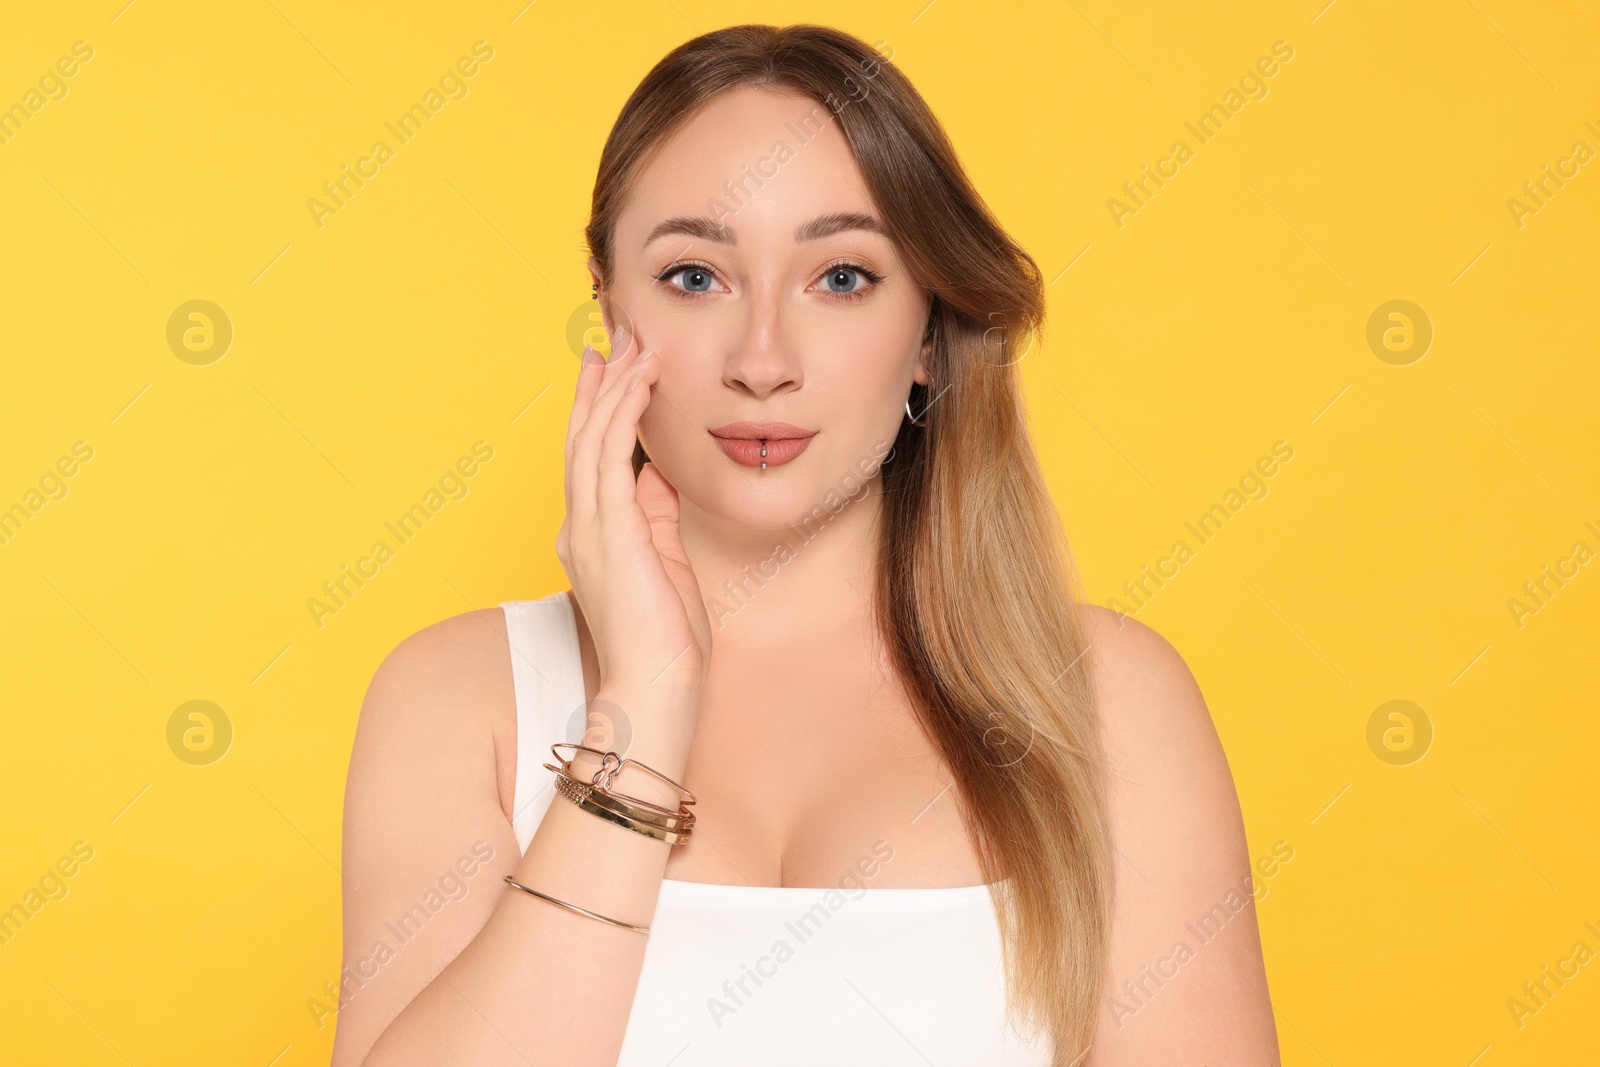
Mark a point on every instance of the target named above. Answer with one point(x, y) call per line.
point(840, 279)
point(843, 276)
point(696, 280)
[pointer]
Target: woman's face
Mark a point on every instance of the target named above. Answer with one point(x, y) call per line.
point(746, 259)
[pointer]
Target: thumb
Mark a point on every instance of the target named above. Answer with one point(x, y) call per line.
point(656, 496)
point(659, 500)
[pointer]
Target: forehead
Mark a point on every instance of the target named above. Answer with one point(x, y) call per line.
point(772, 160)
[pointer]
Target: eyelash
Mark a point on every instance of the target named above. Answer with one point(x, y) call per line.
point(873, 278)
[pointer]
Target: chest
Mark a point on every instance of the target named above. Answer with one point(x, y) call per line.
point(806, 780)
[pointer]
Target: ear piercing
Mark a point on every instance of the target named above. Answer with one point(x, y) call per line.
point(763, 452)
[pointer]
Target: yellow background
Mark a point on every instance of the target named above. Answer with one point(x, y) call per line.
point(1228, 313)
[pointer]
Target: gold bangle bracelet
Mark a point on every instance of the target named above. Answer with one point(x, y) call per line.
point(575, 790)
point(611, 764)
point(588, 804)
point(574, 907)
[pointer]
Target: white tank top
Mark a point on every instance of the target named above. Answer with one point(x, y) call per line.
point(777, 974)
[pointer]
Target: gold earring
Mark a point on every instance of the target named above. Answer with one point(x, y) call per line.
point(911, 418)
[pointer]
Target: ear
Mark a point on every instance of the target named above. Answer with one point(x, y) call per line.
point(604, 297)
point(925, 356)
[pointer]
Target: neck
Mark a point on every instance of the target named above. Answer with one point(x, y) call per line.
point(820, 569)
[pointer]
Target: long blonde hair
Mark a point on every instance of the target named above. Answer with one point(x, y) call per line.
point(977, 589)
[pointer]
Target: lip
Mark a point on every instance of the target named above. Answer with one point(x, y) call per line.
point(742, 442)
point(754, 431)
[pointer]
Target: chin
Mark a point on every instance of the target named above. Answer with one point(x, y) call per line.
point(775, 499)
point(808, 491)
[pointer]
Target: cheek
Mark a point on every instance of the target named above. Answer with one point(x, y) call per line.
point(862, 439)
point(875, 351)
point(866, 377)
point(672, 423)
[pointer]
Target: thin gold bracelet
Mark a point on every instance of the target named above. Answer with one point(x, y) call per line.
point(588, 797)
point(574, 907)
point(611, 764)
point(593, 807)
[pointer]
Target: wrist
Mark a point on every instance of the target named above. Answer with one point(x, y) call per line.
point(662, 708)
point(651, 725)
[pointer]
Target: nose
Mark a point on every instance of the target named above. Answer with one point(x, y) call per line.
point(763, 361)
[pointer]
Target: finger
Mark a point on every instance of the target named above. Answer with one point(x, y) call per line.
point(586, 446)
point(659, 500)
point(588, 383)
point(591, 379)
point(622, 349)
point(591, 376)
point(615, 493)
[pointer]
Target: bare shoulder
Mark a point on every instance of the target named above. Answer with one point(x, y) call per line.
point(446, 690)
point(1151, 707)
point(449, 649)
point(427, 830)
point(1172, 794)
point(1186, 981)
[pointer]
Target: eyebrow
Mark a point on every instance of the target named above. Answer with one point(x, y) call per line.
point(709, 229)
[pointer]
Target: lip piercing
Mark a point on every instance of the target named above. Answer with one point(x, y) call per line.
point(763, 451)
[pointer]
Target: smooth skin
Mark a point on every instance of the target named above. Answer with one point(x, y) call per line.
point(783, 716)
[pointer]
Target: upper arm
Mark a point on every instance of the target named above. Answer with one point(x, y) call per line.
point(1185, 982)
point(427, 837)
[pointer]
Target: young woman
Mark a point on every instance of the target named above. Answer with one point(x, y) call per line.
point(943, 811)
